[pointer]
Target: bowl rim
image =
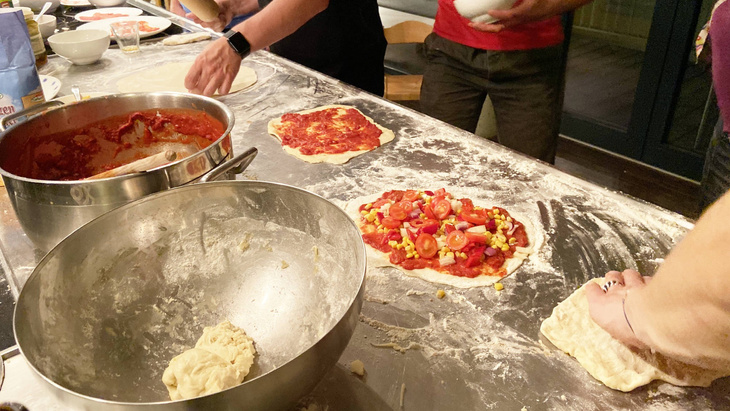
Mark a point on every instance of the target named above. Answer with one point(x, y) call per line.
point(91, 35)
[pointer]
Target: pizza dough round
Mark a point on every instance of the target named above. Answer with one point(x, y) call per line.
point(340, 158)
point(171, 77)
point(571, 329)
point(377, 258)
point(221, 359)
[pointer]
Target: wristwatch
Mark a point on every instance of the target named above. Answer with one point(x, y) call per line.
point(238, 43)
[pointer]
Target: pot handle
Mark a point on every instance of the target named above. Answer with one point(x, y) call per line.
point(27, 112)
point(236, 165)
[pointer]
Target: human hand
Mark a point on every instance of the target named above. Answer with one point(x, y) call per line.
point(606, 305)
point(225, 15)
point(522, 12)
point(214, 69)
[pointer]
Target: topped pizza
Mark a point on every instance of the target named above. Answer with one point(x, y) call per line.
point(439, 237)
point(331, 134)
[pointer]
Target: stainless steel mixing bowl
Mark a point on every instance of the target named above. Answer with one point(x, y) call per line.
point(49, 210)
point(105, 311)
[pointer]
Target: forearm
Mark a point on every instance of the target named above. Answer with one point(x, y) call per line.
point(278, 20)
point(241, 7)
point(564, 6)
point(685, 311)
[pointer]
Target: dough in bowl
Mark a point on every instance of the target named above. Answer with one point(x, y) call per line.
point(221, 359)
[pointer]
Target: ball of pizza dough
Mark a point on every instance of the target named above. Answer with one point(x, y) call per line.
point(221, 359)
point(231, 343)
point(198, 372)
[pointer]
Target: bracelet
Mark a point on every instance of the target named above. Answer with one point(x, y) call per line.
point(623, 307)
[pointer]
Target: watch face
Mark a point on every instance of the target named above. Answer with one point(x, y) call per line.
point(239, 43)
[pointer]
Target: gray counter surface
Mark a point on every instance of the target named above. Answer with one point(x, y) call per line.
point(475, 348)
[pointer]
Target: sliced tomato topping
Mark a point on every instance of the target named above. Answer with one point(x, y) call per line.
point(426, 245)
point(428, 210)
point(442, 209)
point(425, 225)
point(407, 206)
point(381, 202)
point(466, 205)
point(474, 217)
point(390, 222)
point(411, 195)
point(477, 238)
point(521, 236)
point(456, 240)
point(448, 228)
point(396, 211)
point(441, 192)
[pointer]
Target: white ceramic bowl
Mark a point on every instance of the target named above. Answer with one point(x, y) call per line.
point(47, 25)
point(107, 3)
point(476, 10)
point(80, 46)
point(36, 5)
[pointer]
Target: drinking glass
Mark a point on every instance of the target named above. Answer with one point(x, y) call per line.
point(126, 34)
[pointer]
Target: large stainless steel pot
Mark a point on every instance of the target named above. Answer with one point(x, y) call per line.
point(104, 311)
point(50, 210)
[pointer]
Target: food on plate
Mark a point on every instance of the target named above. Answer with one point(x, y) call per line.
point(112, 142)
point(441, 238)
point(102, 16)
point(329, 134)
point(146, 28)
point(221, 359)
point(571, 329)
point(171, 77)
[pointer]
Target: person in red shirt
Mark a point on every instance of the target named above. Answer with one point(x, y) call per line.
point(517, 61)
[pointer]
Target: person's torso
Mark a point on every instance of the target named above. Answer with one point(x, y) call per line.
point(344, 28)
point(451, 25)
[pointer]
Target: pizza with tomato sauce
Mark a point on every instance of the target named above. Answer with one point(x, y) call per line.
point(328, 134)
point(438, 237)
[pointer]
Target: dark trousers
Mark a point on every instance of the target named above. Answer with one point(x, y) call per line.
point(716, 173)
point(525, 87)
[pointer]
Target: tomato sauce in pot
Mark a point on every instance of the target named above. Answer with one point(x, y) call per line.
point(112, 142)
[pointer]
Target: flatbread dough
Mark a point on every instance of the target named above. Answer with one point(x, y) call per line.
point(221, 359)
point(571, 329)
point(377, 258)
point(171, 77)
point(186, 38)
point(340, 158)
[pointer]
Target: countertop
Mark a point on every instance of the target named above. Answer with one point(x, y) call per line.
point(476, 348)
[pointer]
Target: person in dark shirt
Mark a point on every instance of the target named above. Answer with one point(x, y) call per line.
point(340, 38)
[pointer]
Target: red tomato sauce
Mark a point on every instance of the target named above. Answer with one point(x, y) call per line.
point(328, 131)
point(112, 142)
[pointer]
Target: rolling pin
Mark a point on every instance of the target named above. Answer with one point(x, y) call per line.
point(140, 165)
point(206, 10)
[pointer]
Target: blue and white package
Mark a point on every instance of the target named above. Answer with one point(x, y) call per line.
point(20, 86)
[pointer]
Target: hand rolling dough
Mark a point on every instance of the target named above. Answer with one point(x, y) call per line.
point(171, 77)
point(571, 329)
point(221, 359)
